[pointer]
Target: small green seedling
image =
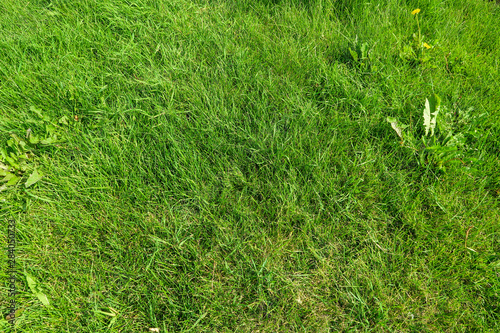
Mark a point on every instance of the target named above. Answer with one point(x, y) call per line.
point(362, 57)
point(363, 53)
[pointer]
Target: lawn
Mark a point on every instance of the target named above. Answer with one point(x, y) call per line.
point(251, 166)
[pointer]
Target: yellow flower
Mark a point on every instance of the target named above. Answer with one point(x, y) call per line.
point(427, 46)
point(415, 11)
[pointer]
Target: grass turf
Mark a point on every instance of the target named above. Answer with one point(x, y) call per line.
point(228, 166)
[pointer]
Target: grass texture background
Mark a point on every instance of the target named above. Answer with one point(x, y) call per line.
point(227, 166)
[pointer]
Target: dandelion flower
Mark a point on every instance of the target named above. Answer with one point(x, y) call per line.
point(415, 11)
point(427, 46)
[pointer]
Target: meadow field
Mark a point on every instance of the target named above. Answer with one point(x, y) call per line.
point(251, 165)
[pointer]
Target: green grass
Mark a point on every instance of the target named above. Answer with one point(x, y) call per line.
point(230, 168)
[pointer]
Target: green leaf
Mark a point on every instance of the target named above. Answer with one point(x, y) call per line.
point(24, 146)
point(4, 167)
point(8, 176)
point(49, 140)
point(23, 165)
point(53, 13)
point(427, 116)
point(38, 112)
point(11, 143)
point(364, 52)
point(51, 129)
point(12, 160)
point(33, 178)
point(3, 152)
point(398, 130)
point(431, 112)
point(34, 139)
point(43, 298)
point(458, 140)
point(13, 180)
point(16, 138)
point(36, 290)
point(353, 54)
point(397, 127)
point(63, 120)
